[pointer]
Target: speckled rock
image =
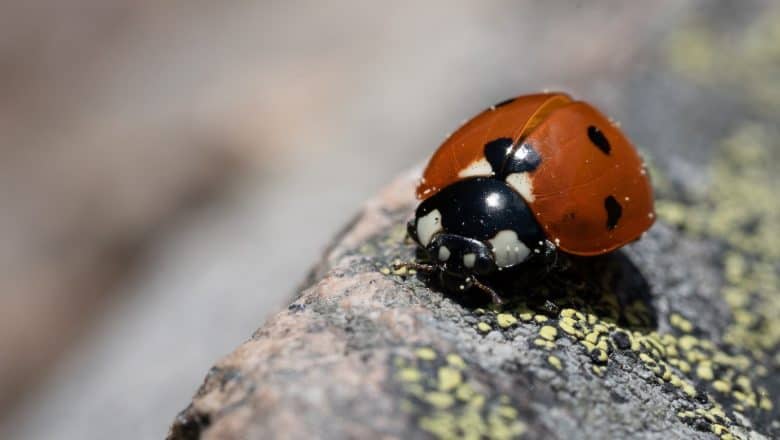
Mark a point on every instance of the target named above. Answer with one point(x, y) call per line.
point(671, 337)
point(674, 337)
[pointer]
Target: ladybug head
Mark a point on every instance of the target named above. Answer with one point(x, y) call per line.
point(460, 260)
point(456, 254)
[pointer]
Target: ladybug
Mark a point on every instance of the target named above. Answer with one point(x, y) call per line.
point(524, 180)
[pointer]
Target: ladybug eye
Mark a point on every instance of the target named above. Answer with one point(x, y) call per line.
point(598, 139)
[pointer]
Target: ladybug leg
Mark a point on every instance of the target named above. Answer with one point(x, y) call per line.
point(561, 263)
point(553, 260)
point(487, 289)
point(411, 230)
point(549, 250)
point(551, 307)
point(420, 267)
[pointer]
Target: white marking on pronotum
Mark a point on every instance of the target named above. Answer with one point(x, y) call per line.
point(428, 225)
point(444, 253)
point(477, 168)
point(521, 182)
point(469, 260)
point(508, 248)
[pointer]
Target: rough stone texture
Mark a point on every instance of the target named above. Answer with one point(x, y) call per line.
point(638, 344)
point(676, 336)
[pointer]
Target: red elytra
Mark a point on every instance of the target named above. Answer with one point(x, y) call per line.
point(589, 170)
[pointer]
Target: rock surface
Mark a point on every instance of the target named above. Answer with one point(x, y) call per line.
point(675, 336)
point(668, 338)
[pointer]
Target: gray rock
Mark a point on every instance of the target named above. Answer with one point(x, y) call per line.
point(637, 344)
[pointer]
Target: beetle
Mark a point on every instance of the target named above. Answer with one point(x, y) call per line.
point(523, 180)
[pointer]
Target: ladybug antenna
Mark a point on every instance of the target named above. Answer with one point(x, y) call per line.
point(489, 290)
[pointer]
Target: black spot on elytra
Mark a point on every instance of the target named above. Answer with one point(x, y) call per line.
point(496, 152)
point(599, 140)
point(614, 211)
point(524, 159)
point(504, 102)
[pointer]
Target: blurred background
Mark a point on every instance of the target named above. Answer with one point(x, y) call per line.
point(170, 170)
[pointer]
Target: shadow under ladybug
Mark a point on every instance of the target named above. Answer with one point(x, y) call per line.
point(609, 286)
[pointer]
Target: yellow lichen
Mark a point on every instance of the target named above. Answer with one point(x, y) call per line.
point(555, 362)
point(449, 378)
point(425, 353)
point(539, 342)
point(400, 270)
point(548, 332)
point(526, 316)
point(704, 370)
point(440, 400)
point(455, 360)
point(681, 323)
point(722, 386)
point(464, 392)
point(409, 375)
point(453, 408)
point(505, 320)
point(540, 318)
